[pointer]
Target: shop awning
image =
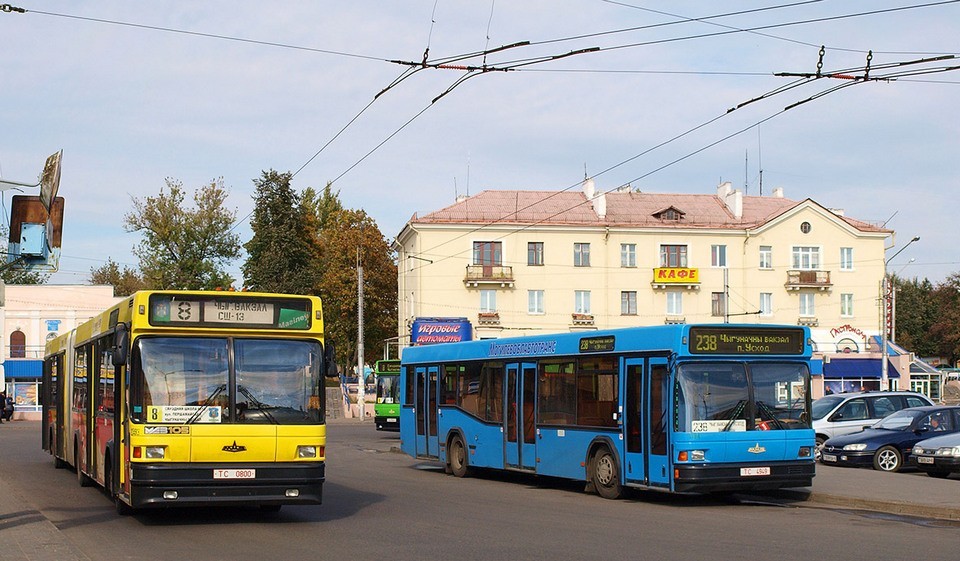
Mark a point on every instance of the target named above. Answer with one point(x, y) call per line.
point(20, 369)
point(857, 368)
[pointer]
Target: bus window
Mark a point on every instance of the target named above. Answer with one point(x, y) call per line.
point(711, 397)
point(558, 393)
point(468, 394)
point(597, 392)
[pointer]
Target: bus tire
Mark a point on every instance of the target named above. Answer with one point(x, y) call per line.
point(606, 475)
point(457, 457)
point(82, 478)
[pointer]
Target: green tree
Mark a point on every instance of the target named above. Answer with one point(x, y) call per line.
point(185, 248)
point(322, 205)
point(283, 252)
point(349, 237)
point(125, 282)
point(945, 329)
point(14, 275)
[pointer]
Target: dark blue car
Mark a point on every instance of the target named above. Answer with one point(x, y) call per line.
point(887, 444)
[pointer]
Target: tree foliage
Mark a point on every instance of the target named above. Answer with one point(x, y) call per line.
point(185, 248)
point(351, 237)
point(928, 317)
point(283, 253)
point(125, 282)
point(945, 329)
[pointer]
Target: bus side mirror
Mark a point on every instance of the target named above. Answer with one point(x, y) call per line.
point(121, 340)
point(329, 360)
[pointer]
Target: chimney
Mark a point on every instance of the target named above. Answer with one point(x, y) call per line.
point(589, 188)
point(733, 199)
point(600, 205)
point(778, 192)
point(724, 189)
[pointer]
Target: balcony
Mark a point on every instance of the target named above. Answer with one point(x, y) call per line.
point(489, 275)
point(488, 318)
point(808, 279)
point(582, 319)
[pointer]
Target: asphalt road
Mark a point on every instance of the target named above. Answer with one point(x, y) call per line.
point(380, 505)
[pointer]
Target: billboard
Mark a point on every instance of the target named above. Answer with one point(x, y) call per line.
point(430, 331)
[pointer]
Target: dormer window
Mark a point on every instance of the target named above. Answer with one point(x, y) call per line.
point(669, 214)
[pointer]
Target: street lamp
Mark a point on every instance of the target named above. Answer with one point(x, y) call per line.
point(884, 288)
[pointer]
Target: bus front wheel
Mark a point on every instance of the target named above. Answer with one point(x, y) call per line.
point(606, 475)
point(458, 458)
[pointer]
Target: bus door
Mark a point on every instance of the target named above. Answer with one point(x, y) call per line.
point(520, 431)
point(426, 411)
point(658, 419)
point(634, 435)
point(104, 396)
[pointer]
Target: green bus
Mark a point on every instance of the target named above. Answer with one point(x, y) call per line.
point(387, 409)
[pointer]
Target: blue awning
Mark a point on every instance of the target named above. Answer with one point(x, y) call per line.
point(857, 368)
point(26, 368)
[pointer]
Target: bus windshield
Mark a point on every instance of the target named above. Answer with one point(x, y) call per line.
point(388, 389)
point(184, 380)
point(737, 396)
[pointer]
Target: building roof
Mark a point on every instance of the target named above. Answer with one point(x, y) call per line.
point(619, 208)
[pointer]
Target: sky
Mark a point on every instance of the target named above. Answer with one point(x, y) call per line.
point(634, 92)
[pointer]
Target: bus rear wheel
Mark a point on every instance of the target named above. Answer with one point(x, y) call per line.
point(606, 475)
point(458, 458)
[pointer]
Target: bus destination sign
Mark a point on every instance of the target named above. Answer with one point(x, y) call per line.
point(227, 311)
point(598, 344)
point(746, 340)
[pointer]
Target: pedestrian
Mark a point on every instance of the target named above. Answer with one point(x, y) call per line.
point(3, 404)
point(8, 408)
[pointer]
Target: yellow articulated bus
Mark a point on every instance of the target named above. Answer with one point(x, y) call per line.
point(187, 398)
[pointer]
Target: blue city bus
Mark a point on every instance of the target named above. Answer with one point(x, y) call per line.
point(677, 408)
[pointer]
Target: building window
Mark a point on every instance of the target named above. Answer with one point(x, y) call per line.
point(766, 257)
point(805, 227)
point(766, 303)
point(18, 344)
point(628, 303)
point(674, 303)
point(581, 255)
point(806, 304)
point(488, 300)
point(673, 256)
point(534, 301)
point(806, 258)
point(718, 304)
point(535, 253)
point(846, 258)
point(628, 255)
point(581, 302)
point(487, 253)
point(718, 256)
point(846, 305)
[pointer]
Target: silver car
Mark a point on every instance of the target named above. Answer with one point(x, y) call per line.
point(938, 456)
point(845, 413)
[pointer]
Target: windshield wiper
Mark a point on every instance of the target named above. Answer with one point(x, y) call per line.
point(736, 413)
point(766, 410)
point(206, 404)
point(259, 405)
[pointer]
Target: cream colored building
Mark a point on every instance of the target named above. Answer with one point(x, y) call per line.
point(528, 262)
point(29, 316)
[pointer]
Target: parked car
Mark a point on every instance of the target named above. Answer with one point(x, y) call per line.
point(887, 445)
point(844, 413)
point(938, 456)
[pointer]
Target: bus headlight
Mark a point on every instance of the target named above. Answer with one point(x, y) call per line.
point(804, 452)
point(306, 451)
point(154, 452)
point(690, 456)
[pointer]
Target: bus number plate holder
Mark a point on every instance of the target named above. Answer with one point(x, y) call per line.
point(234, 474)
point(754, 471)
